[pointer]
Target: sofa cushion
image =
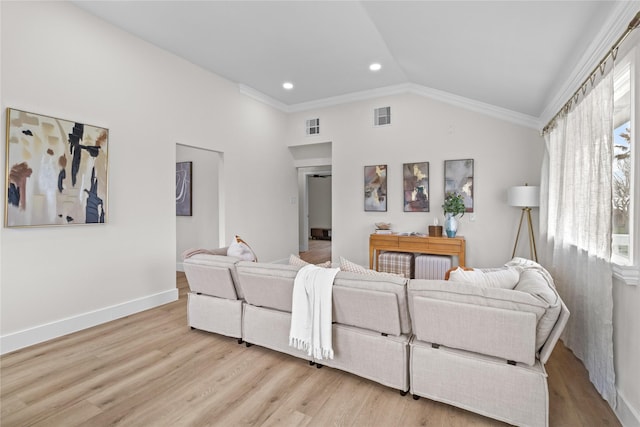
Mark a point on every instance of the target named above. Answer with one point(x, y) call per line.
point(352, 267)
point(534, 283)
point(267, 285)
point(470, 294)
point(537, 281)
point(375, 302)
point(197, 251)
point(504, 278)
point(213, 275)
point(299, 262)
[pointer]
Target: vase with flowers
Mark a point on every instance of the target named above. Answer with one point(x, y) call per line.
point(453, 206)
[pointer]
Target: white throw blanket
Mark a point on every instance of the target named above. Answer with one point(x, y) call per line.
point(311, 311)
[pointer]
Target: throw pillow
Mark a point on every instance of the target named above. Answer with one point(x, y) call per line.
point(299, 262)
point(240, 249)
point(505, 278)
point(346, 265)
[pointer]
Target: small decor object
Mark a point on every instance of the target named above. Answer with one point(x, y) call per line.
point(56, 171)
point(453, 206)
point(435, 230)
point(383, 228)
point(458, 178)
point(183, 188)
point(416, 187)
point(525, 197)
point(375, 188)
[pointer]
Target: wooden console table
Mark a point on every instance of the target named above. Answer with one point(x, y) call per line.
point(415, 244)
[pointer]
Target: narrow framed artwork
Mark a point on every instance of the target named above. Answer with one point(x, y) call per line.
point(458, 178)
point(415, 181)
point(375, 188)
point(56, 171)
point(183, 188)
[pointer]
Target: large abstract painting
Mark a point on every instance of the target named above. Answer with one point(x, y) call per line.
point(458, 178)
point(56, 171)
point(375, 188)
point(415, 178)
point(183, 188)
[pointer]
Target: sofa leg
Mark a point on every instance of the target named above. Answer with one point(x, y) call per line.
point(416, 397)
point(319, 365)
point(403, 393)
point(248, 344)
point(240, 341)
point(192, 328)
point(311, 362)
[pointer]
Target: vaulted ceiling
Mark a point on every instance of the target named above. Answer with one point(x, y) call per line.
point(513, 55)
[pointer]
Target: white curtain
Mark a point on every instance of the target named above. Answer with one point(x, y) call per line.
point(575, 225)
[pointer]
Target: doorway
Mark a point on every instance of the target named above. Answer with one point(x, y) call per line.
point(315, 214)
point(201, 229)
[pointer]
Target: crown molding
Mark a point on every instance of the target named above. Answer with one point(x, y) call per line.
point(261, 97)
point(614, 26)
point(438, 95)
point(477, 106)
point(350, 97)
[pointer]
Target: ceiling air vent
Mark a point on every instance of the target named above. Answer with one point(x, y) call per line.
point(382, 116)
point(313, 126)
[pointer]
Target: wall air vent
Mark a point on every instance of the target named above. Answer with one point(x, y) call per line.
point(313, 126)
point(382, 116)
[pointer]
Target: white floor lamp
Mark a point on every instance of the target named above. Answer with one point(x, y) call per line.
point(525, 197)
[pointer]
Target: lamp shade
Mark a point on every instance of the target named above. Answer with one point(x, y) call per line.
point(525, 196)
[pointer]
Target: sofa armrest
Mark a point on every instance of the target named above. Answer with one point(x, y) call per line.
point(554, 336)
point(503, 333)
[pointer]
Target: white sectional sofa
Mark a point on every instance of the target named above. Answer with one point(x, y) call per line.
point(481, 349)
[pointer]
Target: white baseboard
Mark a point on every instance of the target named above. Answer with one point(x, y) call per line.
point(627, 414)
point(41, 333)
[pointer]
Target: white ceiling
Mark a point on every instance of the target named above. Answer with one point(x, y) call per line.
point(515, 55)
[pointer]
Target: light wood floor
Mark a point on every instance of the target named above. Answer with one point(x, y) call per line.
point(319, 251)
point(150, 369)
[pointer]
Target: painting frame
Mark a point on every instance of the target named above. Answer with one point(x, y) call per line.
point(184, 188)
point(375, 188)
point(57, 171)
point(459, 178)
point(415, 187)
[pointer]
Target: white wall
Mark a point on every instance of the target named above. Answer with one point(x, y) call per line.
point(201, 229)
point(626, 349)
point(60, 61)
point(424, 130)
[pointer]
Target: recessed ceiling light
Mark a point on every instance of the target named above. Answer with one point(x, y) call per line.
point(375, 66)
point(287, 85)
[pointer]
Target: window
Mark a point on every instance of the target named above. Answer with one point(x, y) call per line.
point(313, 126)
point(623, 158)
point(382, 116)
